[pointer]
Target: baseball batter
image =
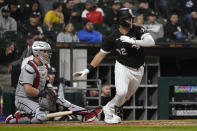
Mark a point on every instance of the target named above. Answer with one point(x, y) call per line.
point(127, 41)
point(30, 96)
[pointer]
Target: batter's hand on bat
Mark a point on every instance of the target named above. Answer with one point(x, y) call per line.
point(127, 39)
point(81, 73)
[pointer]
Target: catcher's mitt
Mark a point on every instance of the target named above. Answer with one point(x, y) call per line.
point(52, 95)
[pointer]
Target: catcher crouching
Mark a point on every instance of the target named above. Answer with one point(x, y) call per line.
point(34, 96)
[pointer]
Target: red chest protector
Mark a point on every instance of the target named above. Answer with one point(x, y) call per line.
point(37, 80)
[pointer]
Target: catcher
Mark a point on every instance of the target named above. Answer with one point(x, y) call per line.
point(34, 96)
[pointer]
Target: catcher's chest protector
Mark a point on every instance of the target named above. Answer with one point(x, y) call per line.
point(41, 75)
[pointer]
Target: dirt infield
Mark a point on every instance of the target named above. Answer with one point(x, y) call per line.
point(126, 123)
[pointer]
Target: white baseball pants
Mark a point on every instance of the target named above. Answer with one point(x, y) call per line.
point(127, 80)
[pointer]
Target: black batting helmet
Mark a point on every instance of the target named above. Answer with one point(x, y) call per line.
point(125, 13)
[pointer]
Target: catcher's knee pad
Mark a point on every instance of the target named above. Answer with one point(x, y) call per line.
point(39, 117)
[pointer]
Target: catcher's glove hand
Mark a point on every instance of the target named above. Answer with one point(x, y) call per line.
point(51, 95)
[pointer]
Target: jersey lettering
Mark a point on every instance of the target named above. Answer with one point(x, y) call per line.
point(122, 51)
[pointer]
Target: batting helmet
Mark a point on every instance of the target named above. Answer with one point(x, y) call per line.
point(125, 13)
point(41, 46)
point(52, 70)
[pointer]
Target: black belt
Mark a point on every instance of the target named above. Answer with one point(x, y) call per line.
point(136, 69)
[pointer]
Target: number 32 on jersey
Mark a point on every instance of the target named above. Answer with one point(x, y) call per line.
point(122, 51)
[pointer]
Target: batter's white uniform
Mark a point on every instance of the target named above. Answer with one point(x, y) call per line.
point(129, 67)
point(127, 80)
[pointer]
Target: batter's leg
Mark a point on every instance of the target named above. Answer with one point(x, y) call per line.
point(121, 82)
point(135, 81)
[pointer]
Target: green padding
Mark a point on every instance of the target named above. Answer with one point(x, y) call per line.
point(75, 98)
point(8, 103)
point(163, 92)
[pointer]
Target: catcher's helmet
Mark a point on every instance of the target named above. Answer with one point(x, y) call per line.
point(125, 13)
point(41, 46)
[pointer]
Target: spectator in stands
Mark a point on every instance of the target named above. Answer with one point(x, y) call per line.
point(130, 4)
point(23, 11)
point(70, 13)
point(1, 93)
point(144, 8)
point(139, 20)
point(35, 7)
point(14, 12)
point(104, 4)
point(173, 30)
point(105, 94)
point(46, 5)
point(3, 3)
point(92, 13)
point(7, 23)
point(89, 34)
point(54, 16)
point(153, 27)
point(162, 6)
point(32, 25)
point(30, 38)
point(7, 52)
point(68, 34)
point(194, 15)
point(111, 18)
point(188, 9)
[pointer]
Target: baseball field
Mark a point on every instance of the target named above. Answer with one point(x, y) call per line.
point(148, 125)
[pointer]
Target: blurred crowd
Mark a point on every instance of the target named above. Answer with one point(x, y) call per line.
point(24, 21)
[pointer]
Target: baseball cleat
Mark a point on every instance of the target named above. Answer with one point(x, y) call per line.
point(7, 120)
point(110, 116)
point(17, 114)
point(113, 120)
point(93, 115)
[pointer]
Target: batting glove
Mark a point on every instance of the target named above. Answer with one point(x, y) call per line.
point(81, 73)
point(127, 39)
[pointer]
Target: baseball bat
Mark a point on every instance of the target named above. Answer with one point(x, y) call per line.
point(57, 114)
point(64, 113)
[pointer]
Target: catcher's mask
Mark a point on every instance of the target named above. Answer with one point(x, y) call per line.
point(39, 46)
point(123, 15)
